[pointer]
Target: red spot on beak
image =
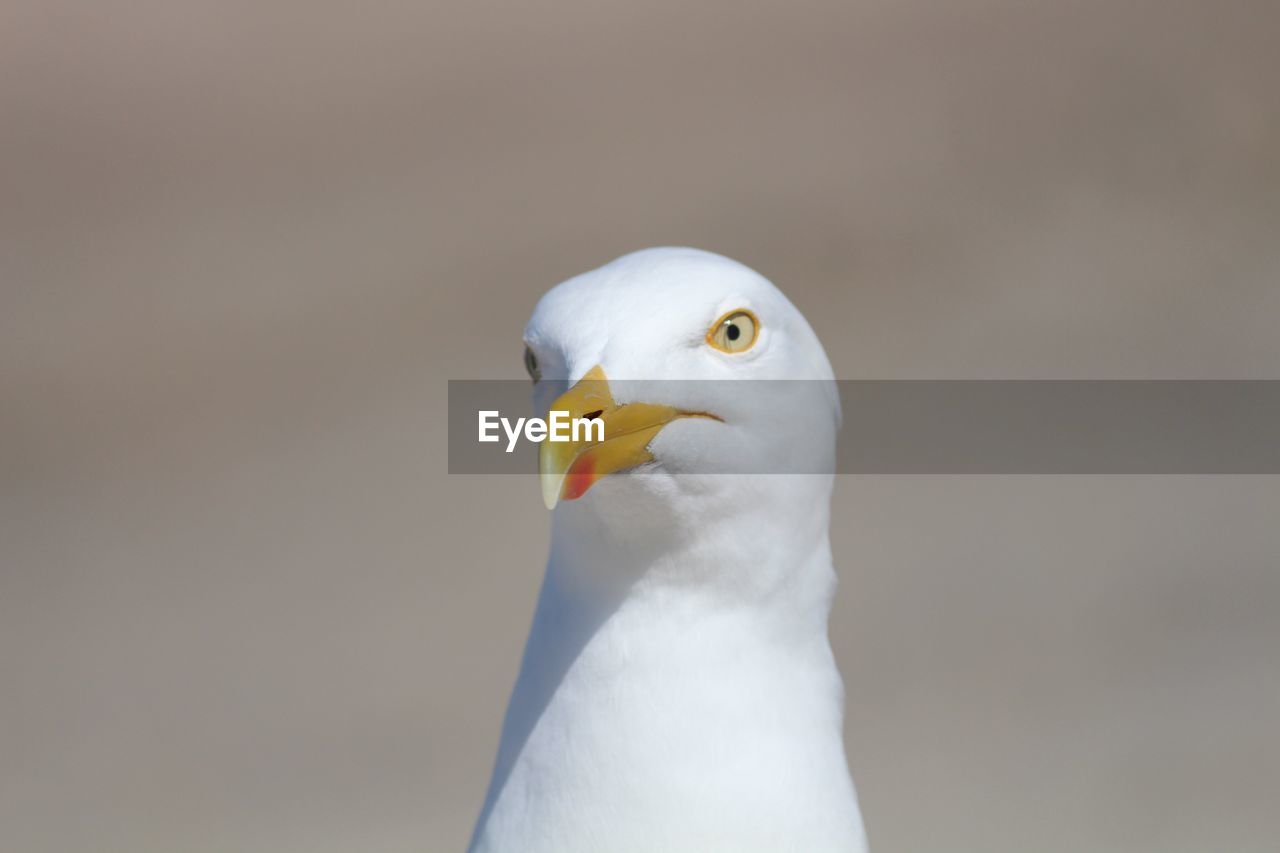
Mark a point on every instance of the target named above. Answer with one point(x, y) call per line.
point(580, 477)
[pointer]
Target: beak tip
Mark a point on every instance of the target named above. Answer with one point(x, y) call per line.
point(551, 489)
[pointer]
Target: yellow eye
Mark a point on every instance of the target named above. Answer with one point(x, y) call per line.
point(531, 364)
point(734, 332)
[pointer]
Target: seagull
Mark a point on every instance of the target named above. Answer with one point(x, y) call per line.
point(678, 691)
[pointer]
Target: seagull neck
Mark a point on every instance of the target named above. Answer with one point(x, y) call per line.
point(715, 615)
point(772, 552)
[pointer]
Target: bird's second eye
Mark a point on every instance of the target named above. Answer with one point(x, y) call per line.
point(734, 332)
point(531, 364)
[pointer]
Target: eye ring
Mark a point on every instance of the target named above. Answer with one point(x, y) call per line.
point(531, 364)
point(735, 332)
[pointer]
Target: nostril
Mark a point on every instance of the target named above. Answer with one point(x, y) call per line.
point(593, 416)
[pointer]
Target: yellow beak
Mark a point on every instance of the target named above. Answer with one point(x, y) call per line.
point(568, 468)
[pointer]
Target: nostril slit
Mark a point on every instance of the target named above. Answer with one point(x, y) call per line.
point(592, 416)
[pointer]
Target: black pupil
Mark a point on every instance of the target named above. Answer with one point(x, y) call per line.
point(732, 331)
point(530, 361)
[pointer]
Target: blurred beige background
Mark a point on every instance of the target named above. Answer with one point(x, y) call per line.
point(243, 245)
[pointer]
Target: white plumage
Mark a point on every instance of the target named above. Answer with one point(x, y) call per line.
point(678, 691)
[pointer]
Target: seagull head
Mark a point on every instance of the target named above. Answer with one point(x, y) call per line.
point(696, 366)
